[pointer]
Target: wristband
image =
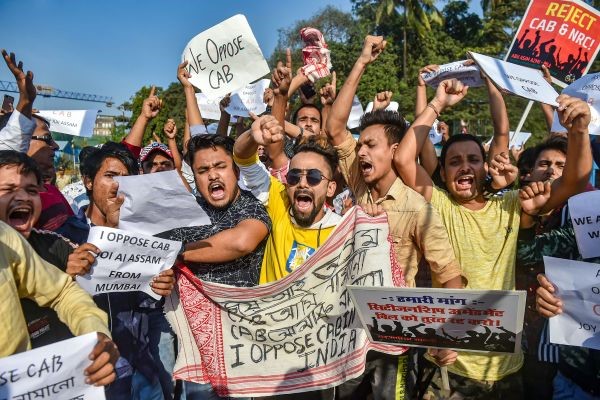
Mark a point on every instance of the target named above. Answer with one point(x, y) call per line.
point(437, 113)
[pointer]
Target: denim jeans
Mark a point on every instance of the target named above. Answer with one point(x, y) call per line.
point(564, 389)
point(163, 349)
point(202, 391)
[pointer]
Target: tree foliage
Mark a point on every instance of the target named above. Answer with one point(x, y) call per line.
point(446, 36)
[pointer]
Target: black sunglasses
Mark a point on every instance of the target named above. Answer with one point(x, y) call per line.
point(46, 138)
point(313, 176)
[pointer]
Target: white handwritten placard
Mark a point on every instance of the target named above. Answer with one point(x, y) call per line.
point(474, 320)
point(146, 197)
point(468, 74)
point(393, 106)
point(578, 287)
point(224, 58)
point(585, 216)
point(586, 88)
point(71, 122)
point(516, 79)
point(355, 113)
point(54, 371)
point(249, 99)
point(127, 261)
point(209, 109)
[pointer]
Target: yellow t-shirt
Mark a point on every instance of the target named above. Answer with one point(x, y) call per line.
point(23, 273)
point(485, 244)
point(289, 245)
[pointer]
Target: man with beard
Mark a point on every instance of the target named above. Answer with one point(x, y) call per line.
point(484, 231)
point(301, 222)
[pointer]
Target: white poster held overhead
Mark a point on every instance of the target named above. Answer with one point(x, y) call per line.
point(516, 79)
point(249, 99)
point(355, 113)
point(434, 135)
point(392, 107)
point(127, 262)
point(224, 58)
point(578, 287)
point(585, 216)
point(54, 371)
point(71, 122)
point(586, 88)
point(468, 74)
point(157, 202)
point(516, 140)
point(209, 109)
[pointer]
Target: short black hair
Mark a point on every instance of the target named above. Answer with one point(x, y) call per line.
point(393, 123)
point(295, 116)
point(558, 143)
point(93, 158)
point(22, 161)
point(460, 138)
point(208, 141)
point(320, 145)
point(526, 161)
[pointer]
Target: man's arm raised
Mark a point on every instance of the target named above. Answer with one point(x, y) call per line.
point(574, 114)
point(281, 80)
point(448, 93)
point(500, 122)
point(340, 110)
point(150, 109)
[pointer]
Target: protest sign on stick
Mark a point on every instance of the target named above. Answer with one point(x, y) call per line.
point(516, 79)
point(586, 88)
point(71, 122)
point(54, 371)
point(578, 287)
point(474, 320)
point(146, 197)
point(517, 139)
point(563, 35)
point(127, 261)
point(585, 216)
point(224, 58)
point(249, 99)
point(469, 75)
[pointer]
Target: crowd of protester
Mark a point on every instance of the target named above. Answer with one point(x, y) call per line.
point(472, 217)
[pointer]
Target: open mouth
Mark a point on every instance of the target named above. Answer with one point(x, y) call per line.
point(19, 217)
point(366, 167)
point(465, 182)
point(303, 201)
point(217, 191)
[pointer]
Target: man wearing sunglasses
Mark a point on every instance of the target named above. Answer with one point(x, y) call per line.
point(301, 222)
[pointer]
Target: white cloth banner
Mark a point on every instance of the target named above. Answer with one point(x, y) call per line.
point(443, 318)
point(297, 334)
point(249, 99)
point(71, 122)
point(54, 371)
point(209, 109)
point(585, 216)
point(157, 202)
point(355, 113)
point(516, 79)
point(586, 88)
point(224, 58)
point(468, 74)
point(578, 286)
point(127, 261)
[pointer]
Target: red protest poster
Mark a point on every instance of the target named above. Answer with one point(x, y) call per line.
point(564, 35)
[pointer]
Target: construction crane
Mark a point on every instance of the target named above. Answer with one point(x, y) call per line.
point(49, 91)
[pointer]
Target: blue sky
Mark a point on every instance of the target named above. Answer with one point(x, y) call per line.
point(113, 48)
